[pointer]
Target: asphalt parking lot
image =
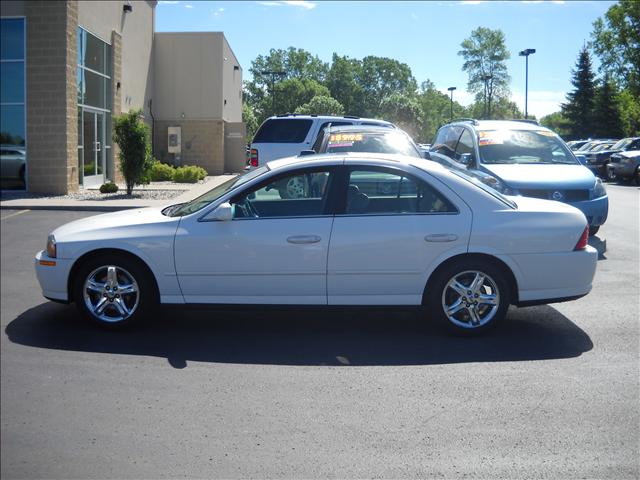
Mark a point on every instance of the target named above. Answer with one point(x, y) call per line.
point(338, 393)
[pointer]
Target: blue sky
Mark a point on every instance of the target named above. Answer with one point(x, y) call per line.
point(424, 35)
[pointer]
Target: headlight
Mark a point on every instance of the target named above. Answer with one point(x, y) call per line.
point(51, 246)
point(598, 189)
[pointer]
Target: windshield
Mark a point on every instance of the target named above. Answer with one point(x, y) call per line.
point(213, 194)
point(483, 186)
point(372, 142)
point(622, 143)
point(523, 147)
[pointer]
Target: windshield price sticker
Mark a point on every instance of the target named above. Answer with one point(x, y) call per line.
point(345, 137)
point(491, 137)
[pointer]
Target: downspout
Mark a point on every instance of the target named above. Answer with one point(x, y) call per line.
point(153, 124)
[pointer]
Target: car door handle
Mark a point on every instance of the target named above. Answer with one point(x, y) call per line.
point(301, 239)
point(441, 237)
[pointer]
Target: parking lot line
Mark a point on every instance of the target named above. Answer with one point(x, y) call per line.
point(14, 214)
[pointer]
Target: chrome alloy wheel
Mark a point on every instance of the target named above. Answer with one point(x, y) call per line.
point(111, 293)
point(470, 299)
point(297, 187)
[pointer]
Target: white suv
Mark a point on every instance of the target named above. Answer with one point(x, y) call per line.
point(287, 135)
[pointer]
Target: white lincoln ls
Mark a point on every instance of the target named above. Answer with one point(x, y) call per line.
point(348, 229)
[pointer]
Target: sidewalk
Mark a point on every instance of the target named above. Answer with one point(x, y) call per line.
point(103, 202)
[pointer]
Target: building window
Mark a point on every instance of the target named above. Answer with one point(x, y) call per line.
point(12, 103)
point(94, 108)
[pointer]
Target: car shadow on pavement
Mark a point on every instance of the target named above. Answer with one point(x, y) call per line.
point(600, 245)
point(305, 336)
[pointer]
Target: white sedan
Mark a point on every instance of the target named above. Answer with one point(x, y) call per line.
point(353, 229)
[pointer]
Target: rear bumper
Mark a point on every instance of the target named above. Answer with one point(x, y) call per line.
point(555, 277)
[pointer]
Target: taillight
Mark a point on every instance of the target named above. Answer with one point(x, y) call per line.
point(253, 157)
point(584, 240)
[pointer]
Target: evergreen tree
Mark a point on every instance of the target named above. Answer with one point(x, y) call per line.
point(580, 102)
point(606, 111)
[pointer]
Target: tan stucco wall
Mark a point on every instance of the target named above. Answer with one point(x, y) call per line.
point(188, 77)
point(136, 28)
point(231, 85)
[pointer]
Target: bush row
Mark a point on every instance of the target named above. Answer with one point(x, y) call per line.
point(161, 172)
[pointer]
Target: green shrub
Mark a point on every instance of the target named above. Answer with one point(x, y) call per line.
point(161, 172)
point(133, 137)
point(189, 174)
point(108, 187)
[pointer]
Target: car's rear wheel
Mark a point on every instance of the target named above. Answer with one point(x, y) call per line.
point(469, 297)
point(114, 292)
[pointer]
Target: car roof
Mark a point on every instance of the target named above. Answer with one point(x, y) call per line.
point(346, 158)
point(362, 128)
point(503, 125)
point(327, 117)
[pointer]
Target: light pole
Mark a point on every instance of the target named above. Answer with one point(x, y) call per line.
point(451, 89)
point(273, 74)
point(525, 54)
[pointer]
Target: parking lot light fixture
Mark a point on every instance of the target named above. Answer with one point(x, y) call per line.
point(451, 89)
point(525, 53)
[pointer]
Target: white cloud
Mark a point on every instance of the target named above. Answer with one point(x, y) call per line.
point(291, 3)
point(218, 12)
point(471, 2)
point(414, 16)
point(188, 6)
point(168, 2)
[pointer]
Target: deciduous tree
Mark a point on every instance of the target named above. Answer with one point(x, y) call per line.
point(484, 54)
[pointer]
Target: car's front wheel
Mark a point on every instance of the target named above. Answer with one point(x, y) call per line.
point(114, 292)
point(469, 297)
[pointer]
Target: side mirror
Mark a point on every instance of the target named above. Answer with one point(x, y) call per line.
point(582, 159)
point(307, 152)
point(465, 159)
point(223, 213)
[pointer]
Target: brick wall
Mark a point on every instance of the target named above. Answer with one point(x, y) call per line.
point(202, 143)
point(52, 108)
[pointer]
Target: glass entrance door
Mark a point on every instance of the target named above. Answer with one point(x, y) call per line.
point(93, 136)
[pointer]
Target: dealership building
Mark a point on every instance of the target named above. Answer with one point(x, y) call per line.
point(67, 67)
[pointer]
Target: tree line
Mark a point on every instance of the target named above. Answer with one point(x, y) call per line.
point(606, 105)
point(296, 81)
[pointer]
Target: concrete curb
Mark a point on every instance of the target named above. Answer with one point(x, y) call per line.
point(110, 205)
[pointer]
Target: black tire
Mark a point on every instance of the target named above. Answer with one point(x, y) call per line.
point(611, 175)
point(593, 229)
point(439, 293)
point(136, 307)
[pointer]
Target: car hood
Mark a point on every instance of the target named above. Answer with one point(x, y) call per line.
point(112, 224)
point(540, 176)
point(604, 152)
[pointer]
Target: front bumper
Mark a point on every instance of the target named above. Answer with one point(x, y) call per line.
point(595, 210)
point(624, 170)
point(53, 275)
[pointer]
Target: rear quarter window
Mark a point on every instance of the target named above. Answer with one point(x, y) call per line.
point(286, 130)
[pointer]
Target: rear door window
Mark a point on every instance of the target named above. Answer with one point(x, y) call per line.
point(286, 130)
